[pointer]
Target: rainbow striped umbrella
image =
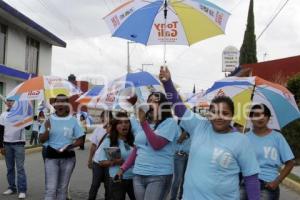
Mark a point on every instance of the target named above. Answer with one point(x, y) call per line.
point(177, 22)
point(248, 91)
point(91, 96)
point(43, 87)
point(19, 116)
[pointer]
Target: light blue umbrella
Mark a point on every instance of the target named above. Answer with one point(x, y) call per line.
point(125, 87)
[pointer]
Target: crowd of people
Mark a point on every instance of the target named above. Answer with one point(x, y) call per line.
point(164, 152)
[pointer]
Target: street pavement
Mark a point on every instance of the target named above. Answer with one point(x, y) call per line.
point(81, 179)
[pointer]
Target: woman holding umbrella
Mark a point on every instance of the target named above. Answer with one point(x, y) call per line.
point(217, 154)
point(272, 152)
point(153, 157)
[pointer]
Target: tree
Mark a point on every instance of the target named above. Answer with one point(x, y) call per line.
point(293, 85)
point(291, 131)
point(248, 48)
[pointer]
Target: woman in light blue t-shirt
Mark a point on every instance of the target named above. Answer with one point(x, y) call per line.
point(272, 152)
point(62, 133)
point(113, 151)
point(155, 134)
point(217, 154)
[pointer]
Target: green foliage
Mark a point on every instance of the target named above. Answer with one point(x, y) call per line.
point(291, 133)
point(293, 85)
point(292, 130)
point(248, 48)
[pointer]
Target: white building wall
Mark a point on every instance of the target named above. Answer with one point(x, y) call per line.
point(45, 57)
point(15, 49)
point(16, 52)
point(15, 57)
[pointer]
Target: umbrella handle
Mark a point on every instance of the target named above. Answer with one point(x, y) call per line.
point(164, 66)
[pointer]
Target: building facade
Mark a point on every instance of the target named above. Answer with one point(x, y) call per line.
point(25, 49)
point(277, 71)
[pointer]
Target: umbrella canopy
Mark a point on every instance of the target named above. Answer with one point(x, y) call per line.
point(197, 100)
point(43, 87)
point(91, 95)
point(178, 22)
point(247, 91)
point(132, 84)
point(19, 116)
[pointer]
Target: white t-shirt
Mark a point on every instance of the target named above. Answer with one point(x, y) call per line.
point(97, 135)
point(16, 136)
point(35, 126)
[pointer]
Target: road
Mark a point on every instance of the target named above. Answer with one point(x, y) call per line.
point(80, 183)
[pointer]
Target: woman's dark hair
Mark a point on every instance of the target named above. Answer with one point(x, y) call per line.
point(114, 135)
point(41, 114)
point(83, 117)
point(223, 99)
point(166, 109)
point(262, 107)
point(62, 97)
point(106, 113)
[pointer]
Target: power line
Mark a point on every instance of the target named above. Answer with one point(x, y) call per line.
point(76, 29)
point(264, 30)
point(235, 6)
point(106, 5)
point(54, 11)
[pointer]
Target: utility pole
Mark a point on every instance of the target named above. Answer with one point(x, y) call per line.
point(128, 55)
point(146, 64)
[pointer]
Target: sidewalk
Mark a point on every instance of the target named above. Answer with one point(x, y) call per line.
point(292, 184)
point(39, 148)
point(296, 171)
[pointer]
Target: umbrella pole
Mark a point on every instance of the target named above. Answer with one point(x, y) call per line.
point(165, 28)
point(251, 100)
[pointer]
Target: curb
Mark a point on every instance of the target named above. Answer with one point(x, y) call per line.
point(28, 151)
point(35, 150)
point(291, 184)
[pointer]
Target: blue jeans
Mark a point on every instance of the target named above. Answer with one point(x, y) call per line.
point(270, 194)
point(180, 164)
point(15, 155)
point(100, 174)
point(57, 177)
point(151, 187)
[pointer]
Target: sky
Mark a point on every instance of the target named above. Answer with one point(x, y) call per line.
point(92, 53)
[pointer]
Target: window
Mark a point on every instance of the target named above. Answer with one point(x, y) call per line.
point(3, 32)
point(1, 96)
point(32, 55)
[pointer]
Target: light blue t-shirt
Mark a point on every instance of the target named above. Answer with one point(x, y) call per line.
point(272, 151)
point(215, 161)
point(100, 155)
point(64, 130)
point(150, 162)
